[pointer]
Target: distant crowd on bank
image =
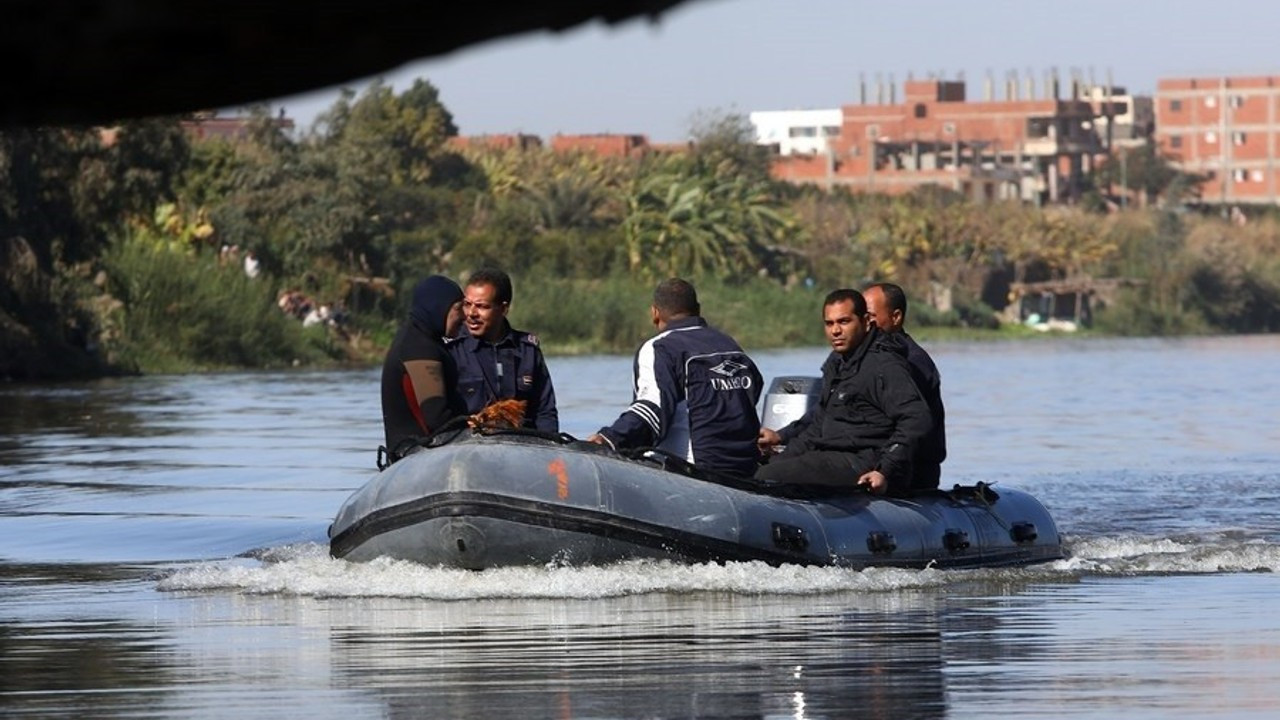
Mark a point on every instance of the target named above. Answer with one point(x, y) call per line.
point(878, 423)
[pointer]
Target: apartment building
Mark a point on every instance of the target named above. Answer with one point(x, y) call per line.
point(1225, 129)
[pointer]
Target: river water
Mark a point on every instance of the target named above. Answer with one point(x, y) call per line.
point(162, 554)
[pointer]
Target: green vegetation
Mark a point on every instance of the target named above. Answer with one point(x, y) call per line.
point(116, 246)
point(177, 312)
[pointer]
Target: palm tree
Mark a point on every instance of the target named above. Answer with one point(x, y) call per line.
point(679, 224)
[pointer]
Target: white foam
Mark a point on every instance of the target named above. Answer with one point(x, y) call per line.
point(307, 570)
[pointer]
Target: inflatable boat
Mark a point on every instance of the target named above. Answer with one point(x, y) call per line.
point(482, 499)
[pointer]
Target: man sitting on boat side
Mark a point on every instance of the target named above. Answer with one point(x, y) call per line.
point(419, 378)
point(695, 390)
point(887, 306)
point(869, 417)
point(496, 361)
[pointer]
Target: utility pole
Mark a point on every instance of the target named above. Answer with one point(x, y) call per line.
point(1124, 179)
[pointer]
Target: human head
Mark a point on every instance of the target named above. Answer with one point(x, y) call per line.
point(437, 306)
point(887, 305)
point(486, 301)
point(844, 318)
point(674, 298)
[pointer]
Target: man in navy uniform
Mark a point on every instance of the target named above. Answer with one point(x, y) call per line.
point(497, 362)
point(695, 390)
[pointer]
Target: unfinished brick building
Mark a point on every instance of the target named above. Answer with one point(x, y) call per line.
point(1019, 147)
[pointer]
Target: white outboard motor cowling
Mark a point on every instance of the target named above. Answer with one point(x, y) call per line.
point(788, 399)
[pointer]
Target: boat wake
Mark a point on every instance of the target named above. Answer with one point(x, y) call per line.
point(307, 570)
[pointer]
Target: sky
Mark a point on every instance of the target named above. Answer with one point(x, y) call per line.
point(710, 57)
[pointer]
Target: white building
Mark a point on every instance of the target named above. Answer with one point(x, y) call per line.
point(796, 132)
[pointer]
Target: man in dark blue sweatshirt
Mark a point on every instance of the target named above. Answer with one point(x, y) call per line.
point(695, 390)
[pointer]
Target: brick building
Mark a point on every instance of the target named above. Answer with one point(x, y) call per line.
point(500, 141)
point(607, 145)
point(207, 126)
point(1019, 147)
point(1226, 129)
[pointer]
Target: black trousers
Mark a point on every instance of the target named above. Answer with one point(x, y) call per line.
point(830, 468)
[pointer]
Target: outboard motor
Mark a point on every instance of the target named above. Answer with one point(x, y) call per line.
point(788, 399)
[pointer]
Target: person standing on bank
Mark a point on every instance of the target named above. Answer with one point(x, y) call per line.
point(497, 362)
point(695, 390)
point(869, 417)
point(419, 378)
point(887, 306)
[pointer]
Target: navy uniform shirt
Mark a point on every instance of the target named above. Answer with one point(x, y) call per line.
point(513, 367)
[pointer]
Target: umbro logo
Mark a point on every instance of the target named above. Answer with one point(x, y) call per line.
point(729, 368)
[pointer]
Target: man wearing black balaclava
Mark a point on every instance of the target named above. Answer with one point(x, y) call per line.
point(419, 378)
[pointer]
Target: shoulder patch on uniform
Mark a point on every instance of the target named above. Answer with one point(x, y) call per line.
point(531, 339)
point(452, 340)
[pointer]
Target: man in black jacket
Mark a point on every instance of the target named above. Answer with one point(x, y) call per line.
point(869, 417)
point(419, 378)
point(887, 306)
point(695, 390)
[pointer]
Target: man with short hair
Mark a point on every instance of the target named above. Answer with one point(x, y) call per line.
point(498, 362)
point(887, 306)
point(869, 417)
point(695, 390)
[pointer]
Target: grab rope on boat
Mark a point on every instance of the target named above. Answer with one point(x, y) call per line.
point(456, 428)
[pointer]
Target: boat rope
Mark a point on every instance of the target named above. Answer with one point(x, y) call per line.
point(674, 463)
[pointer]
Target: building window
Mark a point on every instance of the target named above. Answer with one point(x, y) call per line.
point(1210, 101)
point(1038, 127)
point(1237, 101)
point(831, 131)
point(873, 131)
point(1211, 137)
point(1175, 141)
point(921, 110)
point(1255, 175)
point(1175, 106)
point(1239, 175)
point(1237, 138)
point(803, 132)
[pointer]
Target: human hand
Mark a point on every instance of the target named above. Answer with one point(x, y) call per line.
point(596, 438)
point(875, 482)
point(768, 441)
